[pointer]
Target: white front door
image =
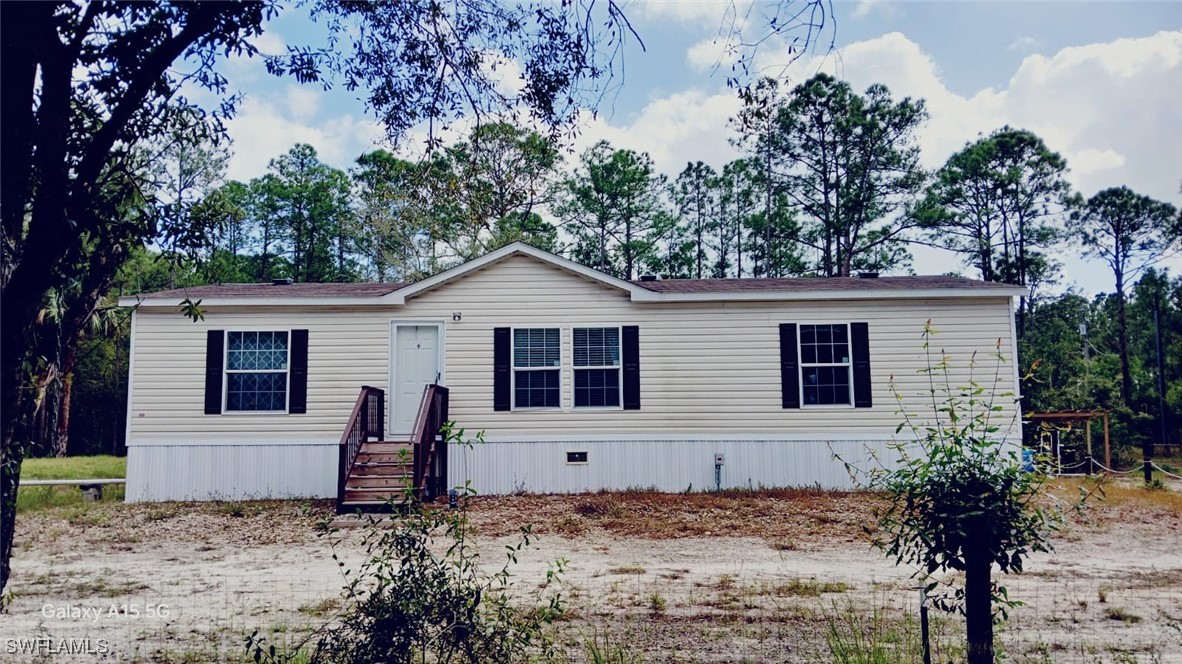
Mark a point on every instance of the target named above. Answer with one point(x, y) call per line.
point(416, 364)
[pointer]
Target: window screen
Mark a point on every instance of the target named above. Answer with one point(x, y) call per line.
point(597, 367)
point(536, 368)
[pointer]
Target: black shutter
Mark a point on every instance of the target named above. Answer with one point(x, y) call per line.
point(215, 350)
point(297, 397)
point(501, 368)
point(630, 352)
point(860, 346)
point(789, 367)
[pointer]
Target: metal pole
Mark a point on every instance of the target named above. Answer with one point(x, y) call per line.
point(1147, 449)
point(1161, 371)
point(1107, 447)
point(923, 622)
point(1088, 435)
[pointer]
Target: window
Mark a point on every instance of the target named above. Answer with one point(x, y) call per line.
point(597, 367)
point(825, 375)
point(537, 368)
point(256, 371)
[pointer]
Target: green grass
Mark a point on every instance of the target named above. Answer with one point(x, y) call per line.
point(69, 468)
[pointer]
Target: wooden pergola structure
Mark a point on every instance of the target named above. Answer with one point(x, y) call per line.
point(1072, 416)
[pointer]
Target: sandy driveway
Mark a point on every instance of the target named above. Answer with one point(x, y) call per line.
point(749, 580)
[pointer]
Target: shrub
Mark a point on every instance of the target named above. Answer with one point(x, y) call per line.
point(421, 595)
point(958, 498)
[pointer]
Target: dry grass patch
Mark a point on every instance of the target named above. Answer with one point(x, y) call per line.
point(1117, 504)
point(627, 569)
point(788, 519)
point(1120, 615)
point(112, 526)
point(103, 588)
point(806, 588)
point(1115, 493)
point(321, 609)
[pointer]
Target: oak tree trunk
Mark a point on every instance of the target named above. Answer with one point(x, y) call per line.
point(62, 439)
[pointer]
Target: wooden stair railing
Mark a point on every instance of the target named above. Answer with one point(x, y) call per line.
point(430, 445)
point(367, 421)
point(365, 470)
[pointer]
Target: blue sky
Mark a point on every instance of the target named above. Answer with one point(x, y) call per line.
point(1100, 82)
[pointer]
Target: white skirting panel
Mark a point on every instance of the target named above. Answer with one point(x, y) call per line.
point(664, 465)
point(231, 472)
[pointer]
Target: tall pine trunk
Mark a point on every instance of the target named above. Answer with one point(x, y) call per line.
point(1122, 324)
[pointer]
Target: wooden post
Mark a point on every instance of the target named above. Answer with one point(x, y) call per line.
point(1088, 436)
point(1107, 448)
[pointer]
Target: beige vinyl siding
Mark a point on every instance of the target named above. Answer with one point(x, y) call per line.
point(705, 368)
point(346, 349)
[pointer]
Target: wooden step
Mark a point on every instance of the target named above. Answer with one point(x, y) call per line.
point(366, 457)
point(372, 495)
point(378, 481)
point(382, 470)
point(387, 447)
point(371, 507)
point(349, 507)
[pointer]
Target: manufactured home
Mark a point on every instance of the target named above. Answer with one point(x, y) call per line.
point(576, 380)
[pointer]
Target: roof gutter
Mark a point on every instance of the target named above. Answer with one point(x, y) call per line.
point(814, 295)
point(315, 301)
point(643, 296)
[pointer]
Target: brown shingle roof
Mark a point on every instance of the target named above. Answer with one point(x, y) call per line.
point(813, 284)
point(802, 284)
point(276, 290)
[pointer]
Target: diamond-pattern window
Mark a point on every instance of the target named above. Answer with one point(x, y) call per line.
point(256, 371)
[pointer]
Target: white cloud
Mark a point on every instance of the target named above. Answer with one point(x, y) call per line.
point(505, 73)
point(262, 130)
point(1090, 160)
point(709, 13)
point(1022, 44)
point(709, 54)
point(303, 103)
point(269, 42)
point(248, 69)
point(1097, 103)
point(866, 8)
point(1106, 107)
point(744, 33)
point(683, 127)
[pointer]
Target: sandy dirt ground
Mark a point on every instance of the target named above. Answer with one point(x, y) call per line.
point(700, 578)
